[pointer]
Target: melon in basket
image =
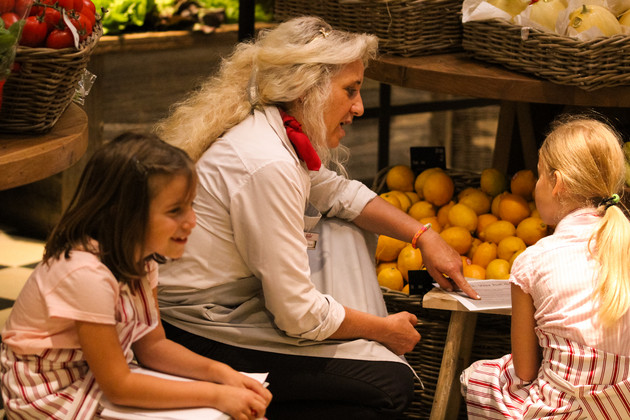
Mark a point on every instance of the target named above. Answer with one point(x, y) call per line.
point(512, 7)
point(545, 12)
point(590, 16)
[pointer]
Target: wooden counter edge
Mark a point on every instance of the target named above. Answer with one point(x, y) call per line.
point(439, 299)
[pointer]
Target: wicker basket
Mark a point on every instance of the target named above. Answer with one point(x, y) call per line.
point(602, 62)
point(35, 97)
point(404, 27)
point(491, 341)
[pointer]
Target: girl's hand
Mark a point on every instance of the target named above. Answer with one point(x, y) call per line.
point(441, 259)
point(241, 403)
point(228, 376)
point(401, 336)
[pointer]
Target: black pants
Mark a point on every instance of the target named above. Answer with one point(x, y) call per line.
point(315, 387)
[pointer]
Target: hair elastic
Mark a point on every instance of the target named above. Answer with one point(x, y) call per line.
point(420, 231)
point(611, 201)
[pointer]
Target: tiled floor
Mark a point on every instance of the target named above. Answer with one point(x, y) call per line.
point(18, 256)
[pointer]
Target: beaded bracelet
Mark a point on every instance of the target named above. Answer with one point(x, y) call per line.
point(423, 229)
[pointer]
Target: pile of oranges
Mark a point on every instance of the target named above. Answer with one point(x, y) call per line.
point(489, 224)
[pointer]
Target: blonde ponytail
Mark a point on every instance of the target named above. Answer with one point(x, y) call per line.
point(612, 241)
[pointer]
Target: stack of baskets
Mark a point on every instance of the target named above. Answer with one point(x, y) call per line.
point(44, 85)
point(601, 62)
point(404, 27)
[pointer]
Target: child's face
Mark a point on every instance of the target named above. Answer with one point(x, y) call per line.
point(171, 218)
point(546, 202)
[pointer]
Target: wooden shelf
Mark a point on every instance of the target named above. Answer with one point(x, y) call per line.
point(25, 158)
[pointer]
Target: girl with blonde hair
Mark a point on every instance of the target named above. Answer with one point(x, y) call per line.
point(570, 291)
point(289, 287)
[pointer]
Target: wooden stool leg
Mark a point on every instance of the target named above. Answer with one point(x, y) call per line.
point(459, 338)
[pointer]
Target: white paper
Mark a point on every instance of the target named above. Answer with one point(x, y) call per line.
point(113, 411)
point(495, 294)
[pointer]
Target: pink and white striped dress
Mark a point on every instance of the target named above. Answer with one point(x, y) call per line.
point(574, 382)
point(585, 371)
point(56, 383)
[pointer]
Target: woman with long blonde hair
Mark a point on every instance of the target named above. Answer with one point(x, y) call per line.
point(279, 274)
point(570, 291)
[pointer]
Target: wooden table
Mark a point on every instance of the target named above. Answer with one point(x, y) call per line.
point(457, 350)
point(27, 158)
point(457, 74)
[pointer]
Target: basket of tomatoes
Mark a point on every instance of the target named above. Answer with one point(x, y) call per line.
point(57, 39)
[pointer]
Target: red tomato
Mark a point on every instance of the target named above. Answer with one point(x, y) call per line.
point(85, 24)
point(52, 18)
point(38, 10)
point(22, 6)
point(6, 5)
point(34, 32)
point(60, 38)
point(9, 19)
point(66, 4)
point(88, 4)
point(77, 5)
point(89, 15)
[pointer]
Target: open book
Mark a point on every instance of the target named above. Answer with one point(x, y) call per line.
point(113, 411)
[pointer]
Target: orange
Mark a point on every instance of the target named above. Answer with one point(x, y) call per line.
point(422, 209)
point(493, 182)
point(498, 230)
point(387, 248)
point(421, 179)
point(405, 288)
point(438, 188)
point(392, 199)
point(508, 246)
point(391, 278)
point(473, 248)
point(413, 196)
point(523, 183)
point(442, 213)
point(400, 178)
point(477, 200)
point(435, 223)
point(531, 229)
point(513, 208)
point(516, 254)
point(498, 269)
point(494, 207)
point(409, 259)
point(405, 202)
point(486, 252)
point(384, 265)
point(458, 238)
point(464, 216)
point(475, 271)
point(484, 220)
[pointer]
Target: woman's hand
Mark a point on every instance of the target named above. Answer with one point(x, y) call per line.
point(397, 332)
point(402, 335)
point(441, 259)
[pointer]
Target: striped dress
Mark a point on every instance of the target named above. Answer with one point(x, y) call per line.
point(57, 383)
point(585, 369)
point(574, 382)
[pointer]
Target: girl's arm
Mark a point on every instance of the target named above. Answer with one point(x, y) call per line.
point(103, 353)
point(380, 217)
point(526, 353)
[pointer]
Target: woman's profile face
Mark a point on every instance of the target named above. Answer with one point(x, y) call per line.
point(345, 102)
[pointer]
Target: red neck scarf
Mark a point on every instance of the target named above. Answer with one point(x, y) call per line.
point(301, 142)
